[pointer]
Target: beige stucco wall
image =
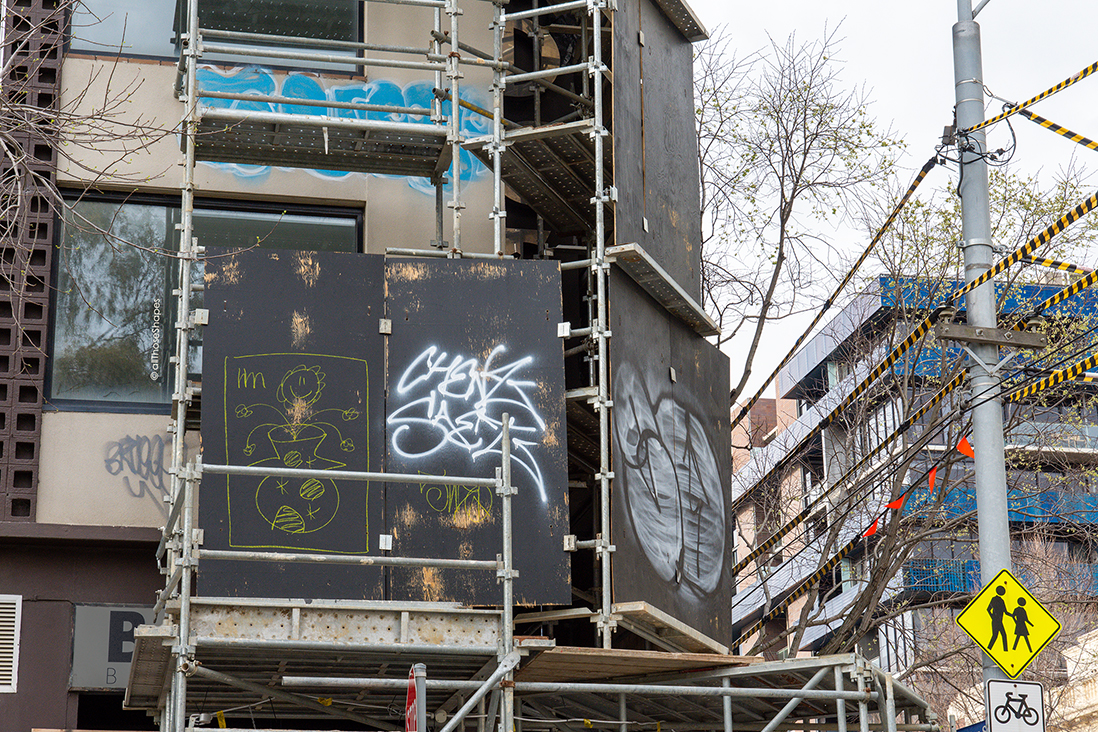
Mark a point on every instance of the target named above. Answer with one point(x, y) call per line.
point(399, 211)
point(104, 469)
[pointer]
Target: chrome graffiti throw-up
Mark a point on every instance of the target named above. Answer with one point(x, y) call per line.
point(457, 403)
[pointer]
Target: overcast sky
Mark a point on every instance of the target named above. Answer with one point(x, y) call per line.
point(902, 53)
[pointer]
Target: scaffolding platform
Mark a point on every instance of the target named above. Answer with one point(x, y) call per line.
point(552, 169)
point(646, 272)
point(321, 142)
point(256, 642)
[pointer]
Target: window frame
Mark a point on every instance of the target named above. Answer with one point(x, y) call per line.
point(71, 197)
point(360, 23)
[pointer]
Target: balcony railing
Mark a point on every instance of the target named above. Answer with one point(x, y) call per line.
point(1053, 435)
point(963, 575)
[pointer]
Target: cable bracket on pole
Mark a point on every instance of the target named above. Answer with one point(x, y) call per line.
point(990, 336)
point(988, 369)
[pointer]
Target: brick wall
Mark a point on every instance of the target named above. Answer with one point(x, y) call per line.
point(27, 174)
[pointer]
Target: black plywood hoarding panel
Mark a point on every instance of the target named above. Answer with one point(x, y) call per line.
point(293, 377)
point(671, 462)
point(655, 143)
point(471, 340)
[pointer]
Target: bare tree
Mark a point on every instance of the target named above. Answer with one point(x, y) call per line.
point(784, 148)
point(40, 132)
point(915, 570)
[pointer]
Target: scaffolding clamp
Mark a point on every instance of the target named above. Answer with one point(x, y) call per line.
point(502, 572)
point(609, 621)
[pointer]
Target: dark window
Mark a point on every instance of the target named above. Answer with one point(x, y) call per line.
point(152, 27)
point(114, 314)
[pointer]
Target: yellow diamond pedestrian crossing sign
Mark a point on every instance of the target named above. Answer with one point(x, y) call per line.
point(1008, 623)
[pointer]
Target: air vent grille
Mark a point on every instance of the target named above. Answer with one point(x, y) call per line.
point(9, 641)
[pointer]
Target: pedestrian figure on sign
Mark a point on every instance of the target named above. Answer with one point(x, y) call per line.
point(1021, 620)
point(997, 609)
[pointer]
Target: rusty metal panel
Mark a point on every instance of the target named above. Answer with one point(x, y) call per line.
point(655, 145)
point(473, 339)
point(671, 463)
point(294, 377)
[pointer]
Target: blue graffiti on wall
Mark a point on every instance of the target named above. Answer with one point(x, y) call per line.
point(261, 80)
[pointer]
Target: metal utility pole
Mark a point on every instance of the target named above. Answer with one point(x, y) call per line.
point(987, 414)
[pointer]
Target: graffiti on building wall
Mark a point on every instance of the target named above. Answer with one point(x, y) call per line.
point(454, 402)
point(298, 85)
point(672, 484)
point(281, 415)
point(139, 460)
point(295, 439)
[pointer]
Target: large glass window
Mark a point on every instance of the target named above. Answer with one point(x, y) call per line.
point(152, 27)
point(113, 324)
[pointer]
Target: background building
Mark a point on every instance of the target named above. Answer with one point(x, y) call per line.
point(839, 531)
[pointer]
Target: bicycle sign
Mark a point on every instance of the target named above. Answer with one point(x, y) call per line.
point(1015, 706)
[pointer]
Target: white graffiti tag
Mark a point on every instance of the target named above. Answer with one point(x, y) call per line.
point(456, 403)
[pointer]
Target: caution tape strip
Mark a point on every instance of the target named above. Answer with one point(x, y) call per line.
point(927, 167)
point(802, 589)
point(1043, 95)
point(897, 353)
point(1057, 264)
point(1064, 131)
point(1056, 377)
point(923, 328)
point(1043, 238)
point(848, 475)
point(1064, 294)
point(1071, 372)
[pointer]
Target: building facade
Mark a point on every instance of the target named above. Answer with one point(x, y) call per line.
point(868, 511)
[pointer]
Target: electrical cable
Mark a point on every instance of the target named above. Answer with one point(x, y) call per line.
point(805, 585)
point(1043, 95)
point(916, 335)
point(1058, 297)
point(1064, 131)
point(927, 167)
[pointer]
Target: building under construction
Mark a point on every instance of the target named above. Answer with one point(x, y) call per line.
point(425, 329)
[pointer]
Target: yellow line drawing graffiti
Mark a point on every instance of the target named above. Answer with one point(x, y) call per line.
point(291, 432)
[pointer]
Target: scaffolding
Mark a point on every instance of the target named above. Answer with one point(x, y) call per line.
point(347, 659)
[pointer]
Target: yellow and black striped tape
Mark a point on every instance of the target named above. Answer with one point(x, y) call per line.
point(1055, 378)
point(921, 330)
point(1070, 291)
point(1051, 380)
point(1043, 95)
point(1057, 264)
point(1043, 238)
point(917, 334)
point(801, 590)
point(848, 475)
point(1063, 131)
point(927, 167)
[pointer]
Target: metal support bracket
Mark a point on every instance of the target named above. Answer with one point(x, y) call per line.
point(989, 369)
point(990, 336)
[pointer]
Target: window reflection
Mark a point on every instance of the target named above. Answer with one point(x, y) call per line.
point(114, 314)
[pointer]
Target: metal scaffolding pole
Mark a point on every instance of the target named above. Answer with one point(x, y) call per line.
point(599, 269)
point(453, 74)
point(194, 641)
point(498, 85)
